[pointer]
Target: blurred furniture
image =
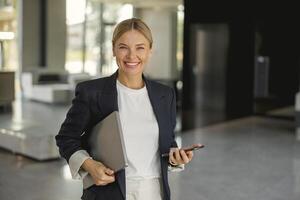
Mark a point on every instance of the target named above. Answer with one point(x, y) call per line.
point(50, 87)
point(46, 87)
point(7, 88)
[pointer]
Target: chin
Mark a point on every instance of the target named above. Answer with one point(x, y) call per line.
point(131, 71)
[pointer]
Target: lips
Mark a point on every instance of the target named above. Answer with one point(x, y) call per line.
point(131, 64)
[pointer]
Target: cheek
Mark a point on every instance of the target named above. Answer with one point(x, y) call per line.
point(119, 55)
point(118, 59)
point(143, 56)
point(146, 58)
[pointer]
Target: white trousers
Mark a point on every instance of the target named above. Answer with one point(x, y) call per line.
point(144, 189)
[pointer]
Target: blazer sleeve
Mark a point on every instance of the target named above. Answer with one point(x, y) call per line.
point(75, 124)
point(174, 168)
point(173, 117)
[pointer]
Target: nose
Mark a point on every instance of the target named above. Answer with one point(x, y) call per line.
point(131, 54)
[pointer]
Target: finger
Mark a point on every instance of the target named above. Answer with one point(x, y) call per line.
point(98, 182)
point(102, 183)
point(171, 152)
point(178, 157)
point(190, 155)
point(102, 174)
point(172, 159)
point(110, 179)
point(107, 179)
point(184, 157)
point(109, 171)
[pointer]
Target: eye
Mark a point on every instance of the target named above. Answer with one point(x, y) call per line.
point(122, 47)
point(140, 48)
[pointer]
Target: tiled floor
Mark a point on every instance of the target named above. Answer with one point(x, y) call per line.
point(248, 159)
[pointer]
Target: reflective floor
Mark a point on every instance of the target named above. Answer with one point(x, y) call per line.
point(247, 159)
point(253, 158)
point(31, 127)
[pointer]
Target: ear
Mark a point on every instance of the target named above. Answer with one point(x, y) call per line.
point(150, 52)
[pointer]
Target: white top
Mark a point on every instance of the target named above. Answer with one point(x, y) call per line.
point(141, 133)
point(141, 138)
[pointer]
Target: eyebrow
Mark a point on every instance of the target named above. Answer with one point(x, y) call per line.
point(140, 44)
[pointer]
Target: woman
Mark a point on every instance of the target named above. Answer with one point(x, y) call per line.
point(148, 116)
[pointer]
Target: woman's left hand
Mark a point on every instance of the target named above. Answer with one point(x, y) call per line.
point(179, 156)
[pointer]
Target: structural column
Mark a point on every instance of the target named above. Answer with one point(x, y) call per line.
point(42, 34)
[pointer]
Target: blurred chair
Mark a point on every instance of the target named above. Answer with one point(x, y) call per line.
point(50, 87)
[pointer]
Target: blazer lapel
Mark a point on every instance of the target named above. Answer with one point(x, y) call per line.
point(156, 99)
point(108, 97)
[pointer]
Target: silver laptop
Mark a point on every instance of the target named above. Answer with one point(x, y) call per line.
point(107, 143)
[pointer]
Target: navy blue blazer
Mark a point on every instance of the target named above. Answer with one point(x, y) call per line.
point(94, 100)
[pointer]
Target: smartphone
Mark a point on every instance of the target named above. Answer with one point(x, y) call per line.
point(186, 149)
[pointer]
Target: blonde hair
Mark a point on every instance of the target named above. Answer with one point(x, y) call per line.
point(132, 24)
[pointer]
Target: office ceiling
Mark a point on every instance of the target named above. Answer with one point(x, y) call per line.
point(147, 3)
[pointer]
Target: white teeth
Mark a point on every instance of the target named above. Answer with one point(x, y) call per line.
point(131, 64)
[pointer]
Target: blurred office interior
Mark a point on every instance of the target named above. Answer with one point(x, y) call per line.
point(235, 70)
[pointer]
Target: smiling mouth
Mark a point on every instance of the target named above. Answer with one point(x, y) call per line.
point(132, 64)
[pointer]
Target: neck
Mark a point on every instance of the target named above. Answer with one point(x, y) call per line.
point(133, 82)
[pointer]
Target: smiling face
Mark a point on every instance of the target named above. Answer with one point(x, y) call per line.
point(132, 51)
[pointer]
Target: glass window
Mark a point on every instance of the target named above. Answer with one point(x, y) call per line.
point(90, 25)
point(75, 20)
point(92, 37)
point(180, 25)
point(8, 30)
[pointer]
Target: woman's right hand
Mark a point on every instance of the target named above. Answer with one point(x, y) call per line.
point(100, 174)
